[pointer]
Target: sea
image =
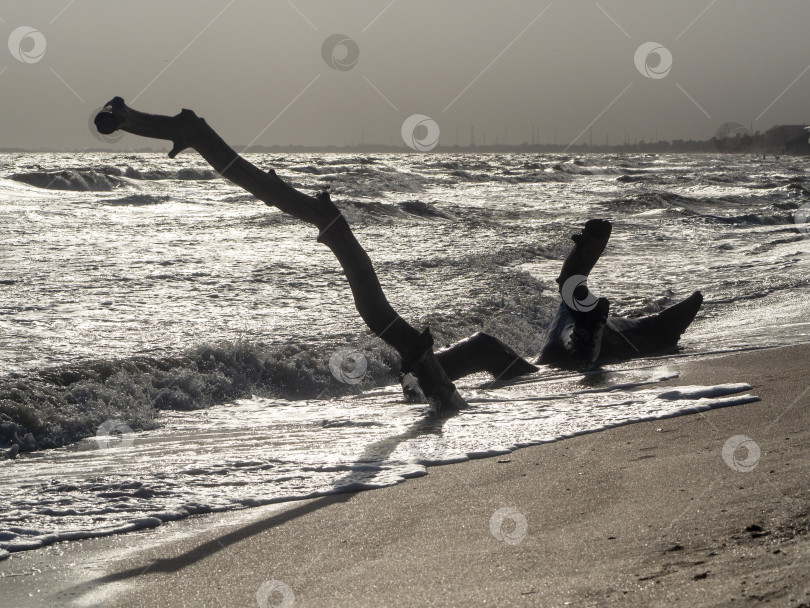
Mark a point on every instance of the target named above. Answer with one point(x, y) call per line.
point(170, 345)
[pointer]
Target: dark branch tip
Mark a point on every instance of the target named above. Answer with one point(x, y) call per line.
point(105, 122)
point(177, 148)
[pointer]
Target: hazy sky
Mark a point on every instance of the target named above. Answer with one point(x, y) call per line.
point(256, 68)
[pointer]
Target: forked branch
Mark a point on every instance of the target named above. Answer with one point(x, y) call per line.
point(187, 130)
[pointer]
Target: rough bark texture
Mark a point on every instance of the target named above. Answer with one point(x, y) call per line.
point(187, 130)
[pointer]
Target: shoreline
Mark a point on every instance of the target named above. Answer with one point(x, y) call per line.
point(639, 514)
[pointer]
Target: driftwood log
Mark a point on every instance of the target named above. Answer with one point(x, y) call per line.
point(580, 335)
point(478, 353)
point(584, 334)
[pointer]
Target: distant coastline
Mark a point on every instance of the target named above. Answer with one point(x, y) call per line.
point(757, 144)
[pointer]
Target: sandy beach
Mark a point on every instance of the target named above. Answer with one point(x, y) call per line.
point(655, 513)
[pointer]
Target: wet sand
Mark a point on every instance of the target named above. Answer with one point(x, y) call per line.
point(644, 514)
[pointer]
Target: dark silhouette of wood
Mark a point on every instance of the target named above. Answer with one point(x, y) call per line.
point(656, 334)
point(483, 353)
point(583, 333)
point(187, 130)
point(575, 335)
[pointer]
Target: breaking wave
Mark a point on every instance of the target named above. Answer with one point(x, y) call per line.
point(357, 211)
point(137, 200)
point(61, 405)
point(103, 179)
point(70, 179)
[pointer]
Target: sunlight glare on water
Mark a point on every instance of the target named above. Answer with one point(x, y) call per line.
point(151, 294)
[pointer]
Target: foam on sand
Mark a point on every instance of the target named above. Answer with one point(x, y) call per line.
point(261, 451)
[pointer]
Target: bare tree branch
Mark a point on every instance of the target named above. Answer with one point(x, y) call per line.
point(187, 130)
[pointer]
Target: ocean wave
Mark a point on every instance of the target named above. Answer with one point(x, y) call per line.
point(718, 209)
point(426, 210)
point(466, 163)
point(349, 160)
point(654, 200)
point(468, 176)
point(137, 200)
point(765, 218)
point(186, 173)
point(70, 179)
point(105, 178)
point(62, 405)
point(508, 176)
point(358, 212)
point(371, 183)
point(332, 169)
point(581, 167)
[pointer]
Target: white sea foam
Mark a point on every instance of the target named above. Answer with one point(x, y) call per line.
point(701, 392)
point(258, 451)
